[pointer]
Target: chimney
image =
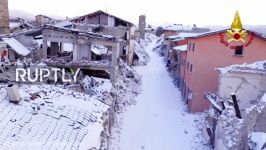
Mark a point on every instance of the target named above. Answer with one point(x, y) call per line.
point(4, 17)
point(39, 20)
point(142, 26)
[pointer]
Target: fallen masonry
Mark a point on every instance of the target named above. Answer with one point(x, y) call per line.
point(51, 117)
point(226, 130)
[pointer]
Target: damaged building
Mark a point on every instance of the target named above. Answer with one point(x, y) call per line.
point(19, 25)
point(92, 42)
point(237, 118)
point(17, 47)
point(82, 54)
point(107, 24)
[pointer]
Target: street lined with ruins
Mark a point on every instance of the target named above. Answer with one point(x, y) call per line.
point(159, 120)
point(92, 75)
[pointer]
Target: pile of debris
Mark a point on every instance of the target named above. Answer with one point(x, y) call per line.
point(142, 55)
point(127, 87)
point(230, 128)
point(49, 117)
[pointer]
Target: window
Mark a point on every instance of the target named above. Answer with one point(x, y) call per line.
point(189, 45)
point(190, 94)
point(239, 50)
point(191, 67)
point(193, 47)
point(124, 51)
point(187, 65)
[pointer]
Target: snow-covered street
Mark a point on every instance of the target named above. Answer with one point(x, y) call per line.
point(159, 120)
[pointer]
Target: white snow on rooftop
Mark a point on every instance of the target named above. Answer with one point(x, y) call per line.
point(64, 23)
point(181, 48)
point(256, 67)
point(17, 46)
point(175, 27)
point(182, 35)
point(14, 24)
point(99, 49)
point(55, 118)
point(185, 35)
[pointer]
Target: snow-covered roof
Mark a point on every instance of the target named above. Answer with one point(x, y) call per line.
point(99, 49)
point(185, 35)
point(14, 24)
point(206, 33)
point(117, 32)
point(182, 36)
point(105, 13)
point(80, 32)
point(181, 48)
point(53, 118)
point(256, 67)
point(175, 27)
point(64, 23)
point(257, 34)
point(17, 46)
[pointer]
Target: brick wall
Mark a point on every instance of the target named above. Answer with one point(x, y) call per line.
point(4, 17)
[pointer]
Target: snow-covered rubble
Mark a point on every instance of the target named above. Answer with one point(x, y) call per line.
point(99, 49)
point(50, 117)
point(258, 140)
point(143, 57)
point(127, 86)
point(234, 133)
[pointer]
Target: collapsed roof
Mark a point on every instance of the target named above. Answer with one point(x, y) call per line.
point(17, 46)
point(104, 13)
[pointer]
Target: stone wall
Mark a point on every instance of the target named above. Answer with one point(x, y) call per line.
point(4, 17)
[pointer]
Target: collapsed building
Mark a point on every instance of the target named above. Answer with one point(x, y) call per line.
point(17, 24)
point(103, 23)
point(69, 120)
point(93, 42)
point(82, 54)
point(238, 111)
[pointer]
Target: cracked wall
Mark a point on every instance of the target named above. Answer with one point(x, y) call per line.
point(248, 87)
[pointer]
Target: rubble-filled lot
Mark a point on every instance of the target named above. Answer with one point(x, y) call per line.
point(50, 117)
